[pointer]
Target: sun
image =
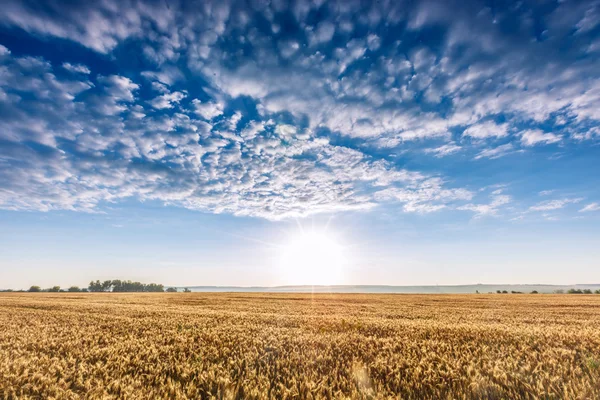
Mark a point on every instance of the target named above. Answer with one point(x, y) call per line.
point(312, 258)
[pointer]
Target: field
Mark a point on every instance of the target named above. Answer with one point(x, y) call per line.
point(254, 346)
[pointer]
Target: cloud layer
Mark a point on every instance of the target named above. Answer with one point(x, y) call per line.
point(277, 109)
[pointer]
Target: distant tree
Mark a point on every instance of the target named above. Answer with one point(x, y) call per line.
point(534, 292)
point(587, 291)
point(120, 286)
point(95, 286)
point(74, 289)
point(172, 290)
point(597, 291)
point(35, 289)
point(54, 289)
point(498, 291)
point(107, 286)
point(83, 290)
point(127, 286)
point(154, 287)
point(477, 292)
point(574, 291)
point(186, 290)
point(116, 285)
point(504, 291)
point(515, 292)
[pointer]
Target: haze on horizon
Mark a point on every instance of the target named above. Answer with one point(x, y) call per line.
point(265, 143)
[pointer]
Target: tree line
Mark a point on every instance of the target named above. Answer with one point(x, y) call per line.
point(115, 286)
point(119, 286)
point(558, 291)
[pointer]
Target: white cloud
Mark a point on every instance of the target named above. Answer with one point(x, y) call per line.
point(232, 154)
point(4, 51)
point(549, 217)
point(116, 91)
point(160, 87)
point(253, 170)
point(100, 31)
point(285, 130)
point(533, 137)
point(489, 209)
point(78, 68)
point(591, 207)
point(167, 100)
point(549, 205)
point(167, 75)
point(424, 196)
point(486, 130)
point(322, 34)
point(373, 42)
point(207, 110)
point(484, 88)
point(444, 150)
point(587, 134)
point(119, 87)
point(495, 152)
point(288, 48)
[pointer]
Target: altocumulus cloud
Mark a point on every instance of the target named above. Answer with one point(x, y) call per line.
point(277, 109)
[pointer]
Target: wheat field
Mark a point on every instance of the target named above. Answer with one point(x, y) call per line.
point(299, 346)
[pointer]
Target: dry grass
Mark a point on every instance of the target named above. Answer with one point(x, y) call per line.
point(280, 346)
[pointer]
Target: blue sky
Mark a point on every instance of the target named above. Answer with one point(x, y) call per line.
point(440, 142)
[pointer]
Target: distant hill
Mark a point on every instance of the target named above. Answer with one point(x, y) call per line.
point(481, 288)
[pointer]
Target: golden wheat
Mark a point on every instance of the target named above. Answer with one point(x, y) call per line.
point(301, 346)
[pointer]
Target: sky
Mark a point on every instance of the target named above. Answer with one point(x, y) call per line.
point(271, 142)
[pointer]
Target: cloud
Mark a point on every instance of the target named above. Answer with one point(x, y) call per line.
point(383, 97)
point(100, 31)
point(115, 92)
point(78, 68)
point(101, 26)
point(587, 134)
point(168, 75)
point(98, 144)
point(119, 87)
point(549, 205)
point(207, 110)
point(424, 196)
point(495, 152)
point(167, 100)
point(549, 217)
point(444, 150)
point(285, 130)
point(486, 130)
point(591, 207)
point(264, 109)
point(490, 209)
point(533, 137)
point(322, 34)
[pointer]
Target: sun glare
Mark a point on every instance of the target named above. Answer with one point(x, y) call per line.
point(312, 258)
